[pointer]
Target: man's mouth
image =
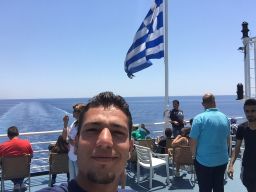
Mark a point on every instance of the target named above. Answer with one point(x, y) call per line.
point(104, 158)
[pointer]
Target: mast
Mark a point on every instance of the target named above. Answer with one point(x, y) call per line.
point(166, 70)
point(246, 40)
point(166, 54)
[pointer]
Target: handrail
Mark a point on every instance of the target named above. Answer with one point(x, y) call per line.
point(35, 133)
point(39, 163)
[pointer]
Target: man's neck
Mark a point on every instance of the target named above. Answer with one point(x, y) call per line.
point(15, 137)
point(95, 187)
point(252, 125)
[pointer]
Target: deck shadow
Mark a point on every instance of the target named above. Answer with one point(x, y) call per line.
point(181, 183)
point(158, 181)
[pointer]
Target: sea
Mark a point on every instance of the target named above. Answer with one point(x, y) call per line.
point(33, 115)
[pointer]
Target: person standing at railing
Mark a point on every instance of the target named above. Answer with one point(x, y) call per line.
point(177, 118)
point(69, 134)
point(103, 145)
point(16, 147)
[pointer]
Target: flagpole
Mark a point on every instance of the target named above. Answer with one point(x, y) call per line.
point(166, 54)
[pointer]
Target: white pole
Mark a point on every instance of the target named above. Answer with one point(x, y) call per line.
point(247, 76)
point(254, 57)
point(166, 98)
point(166, 53)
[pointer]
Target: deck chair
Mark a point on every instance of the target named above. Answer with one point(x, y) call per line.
point(143, 142)
point(149, 160)
point(183, 156)
point(146, 143)
point(14, 168)
point(58, 163)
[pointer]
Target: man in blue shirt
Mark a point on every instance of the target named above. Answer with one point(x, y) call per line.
point(103, 144)
point(209, 144)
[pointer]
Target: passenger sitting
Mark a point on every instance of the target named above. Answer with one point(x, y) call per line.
point(61, 146)
point(140, 132)
point(181, 140)
point(16, 147)
point(161, 145)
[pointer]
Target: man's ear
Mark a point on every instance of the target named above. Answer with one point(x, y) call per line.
point(131, 145)
point(76, 144)
point(130, 148)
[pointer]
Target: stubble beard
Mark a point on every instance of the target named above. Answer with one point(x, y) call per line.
point(251, 119)
point(101, 178)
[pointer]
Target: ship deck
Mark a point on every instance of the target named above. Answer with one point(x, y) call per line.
point(177, 184)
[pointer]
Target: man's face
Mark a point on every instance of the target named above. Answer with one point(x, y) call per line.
point(76, 113)
point(175, 105)
point(103, 145)
point(250, 112)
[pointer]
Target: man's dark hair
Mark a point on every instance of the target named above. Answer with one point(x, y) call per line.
point(176, 101)
point(12, 132)
point(168, 132)
point(107, 99)
point(78, 108)
point(250, 102)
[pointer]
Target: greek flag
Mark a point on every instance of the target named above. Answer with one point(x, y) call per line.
point(148, 42)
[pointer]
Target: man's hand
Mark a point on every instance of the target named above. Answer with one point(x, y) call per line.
point(65, 120)
point(230, 172)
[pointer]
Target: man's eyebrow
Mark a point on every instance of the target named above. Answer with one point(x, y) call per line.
point(113, 125)
point(250, 110)
point(91, 123)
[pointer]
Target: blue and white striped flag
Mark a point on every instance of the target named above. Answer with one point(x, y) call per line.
point(148, 42)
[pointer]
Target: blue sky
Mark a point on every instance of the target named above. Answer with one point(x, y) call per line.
point(63, 48)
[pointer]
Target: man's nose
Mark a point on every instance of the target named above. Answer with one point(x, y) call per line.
point(105, 138)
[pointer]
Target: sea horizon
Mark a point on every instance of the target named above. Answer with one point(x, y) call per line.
point(121, 95)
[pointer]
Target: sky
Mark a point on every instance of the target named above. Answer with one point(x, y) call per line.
point(74, 49)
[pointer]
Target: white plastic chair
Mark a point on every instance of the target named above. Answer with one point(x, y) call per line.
point(149, 160)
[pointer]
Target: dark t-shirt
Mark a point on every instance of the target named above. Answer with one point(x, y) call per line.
point(177, 115)
point(249, 136)
point(72, 186)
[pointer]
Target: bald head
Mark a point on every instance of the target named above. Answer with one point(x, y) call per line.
point(208, 101)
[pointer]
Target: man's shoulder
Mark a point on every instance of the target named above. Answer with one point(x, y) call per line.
point(19, 140)
point(242, 126)
point(198, 117)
